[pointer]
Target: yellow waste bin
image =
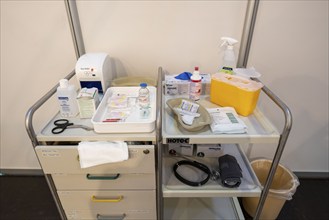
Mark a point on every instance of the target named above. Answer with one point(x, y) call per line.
point(283, 187)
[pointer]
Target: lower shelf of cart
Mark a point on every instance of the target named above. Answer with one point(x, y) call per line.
point(202, 208)
point(172, 187)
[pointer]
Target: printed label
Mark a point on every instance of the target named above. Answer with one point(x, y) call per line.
point(178, 140)
point(50, 153)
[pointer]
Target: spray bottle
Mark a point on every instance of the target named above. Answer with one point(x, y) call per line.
point(195, 85)
point(229, 57)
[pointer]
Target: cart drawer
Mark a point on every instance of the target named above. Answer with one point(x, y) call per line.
point(103, 181)
point(115, 215)
point(109, 202)
point(65, 159)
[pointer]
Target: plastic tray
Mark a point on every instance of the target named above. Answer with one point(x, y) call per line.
point(198, 122)
point(133, 123)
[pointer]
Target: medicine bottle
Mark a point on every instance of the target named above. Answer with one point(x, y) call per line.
point(144, 101)
point(195, 85)
point(144, 96)
point(66, 95)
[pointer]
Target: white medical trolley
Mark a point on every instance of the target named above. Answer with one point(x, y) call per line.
point(144, 187)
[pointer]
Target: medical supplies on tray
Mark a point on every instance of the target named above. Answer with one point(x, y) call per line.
point(118, 112)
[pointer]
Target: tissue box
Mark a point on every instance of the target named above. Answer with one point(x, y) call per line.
point(88, 101)
point(175, 86)
point(183, 149)
point(235, 91)
point(209, 150)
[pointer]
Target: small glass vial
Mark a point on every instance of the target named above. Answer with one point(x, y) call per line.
point(144, 101)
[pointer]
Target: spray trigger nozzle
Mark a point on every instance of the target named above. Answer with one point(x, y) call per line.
point(228, 41)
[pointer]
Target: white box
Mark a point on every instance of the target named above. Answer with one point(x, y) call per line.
point(175, 86)
point(183, 149)
point(209, 150)
point(88, 101)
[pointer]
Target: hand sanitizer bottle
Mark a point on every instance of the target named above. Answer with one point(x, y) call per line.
point(195, 85)
point(66, 95)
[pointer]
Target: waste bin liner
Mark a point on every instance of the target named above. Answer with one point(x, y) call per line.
point(283, 187)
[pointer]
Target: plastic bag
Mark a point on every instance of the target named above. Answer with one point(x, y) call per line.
point(284, 183)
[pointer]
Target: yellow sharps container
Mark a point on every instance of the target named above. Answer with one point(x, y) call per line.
point(235, 91)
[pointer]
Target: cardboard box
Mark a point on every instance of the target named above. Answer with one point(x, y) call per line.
point(183, 149)
point(88, 101)
point(209, 150)
point(175, 86)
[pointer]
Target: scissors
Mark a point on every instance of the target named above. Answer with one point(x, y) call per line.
point(62, 124)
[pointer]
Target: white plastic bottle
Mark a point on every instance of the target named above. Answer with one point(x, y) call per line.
point(229, 61)
point(195, 85)
point(66, 95)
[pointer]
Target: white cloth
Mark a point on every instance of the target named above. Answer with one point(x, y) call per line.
point(101, 152)
point(225, 120)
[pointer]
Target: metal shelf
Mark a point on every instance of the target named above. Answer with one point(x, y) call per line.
point(260, 129)
point(79, 134)
point(172, 187)
point(202, 208)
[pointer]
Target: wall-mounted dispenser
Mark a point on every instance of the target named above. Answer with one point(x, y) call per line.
point(94, 70)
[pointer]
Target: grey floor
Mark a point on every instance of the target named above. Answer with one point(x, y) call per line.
point(28, 197)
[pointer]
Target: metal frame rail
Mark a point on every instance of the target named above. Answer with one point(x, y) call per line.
point(159, 150)
point(282, 142)
point(31, 132)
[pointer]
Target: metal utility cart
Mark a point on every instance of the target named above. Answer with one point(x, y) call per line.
point(124, 190)
point(212, 201)
point(164, 197)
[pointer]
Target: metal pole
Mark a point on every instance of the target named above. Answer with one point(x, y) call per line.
point(247, 34)
point(159, 151)
point(245, 45)
point(73, 17)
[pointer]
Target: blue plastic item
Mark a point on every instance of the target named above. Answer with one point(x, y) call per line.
point(184, 76)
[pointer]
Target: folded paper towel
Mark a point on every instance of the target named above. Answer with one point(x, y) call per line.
point(101, 152)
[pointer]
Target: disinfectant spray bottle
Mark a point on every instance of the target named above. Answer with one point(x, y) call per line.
point(229, 57)
point(195, 85)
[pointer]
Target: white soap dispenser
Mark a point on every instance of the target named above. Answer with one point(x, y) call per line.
point(67, 99)
point(229, 62)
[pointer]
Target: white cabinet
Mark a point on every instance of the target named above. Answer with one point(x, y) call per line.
point(122, 190)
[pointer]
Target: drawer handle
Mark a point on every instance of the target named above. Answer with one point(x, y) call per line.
point(111, 217)
point(104, 177)
point(102, 199)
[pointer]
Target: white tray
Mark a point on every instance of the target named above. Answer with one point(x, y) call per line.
point(133, 123)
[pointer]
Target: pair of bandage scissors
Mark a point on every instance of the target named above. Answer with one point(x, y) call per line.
point(62, 124)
